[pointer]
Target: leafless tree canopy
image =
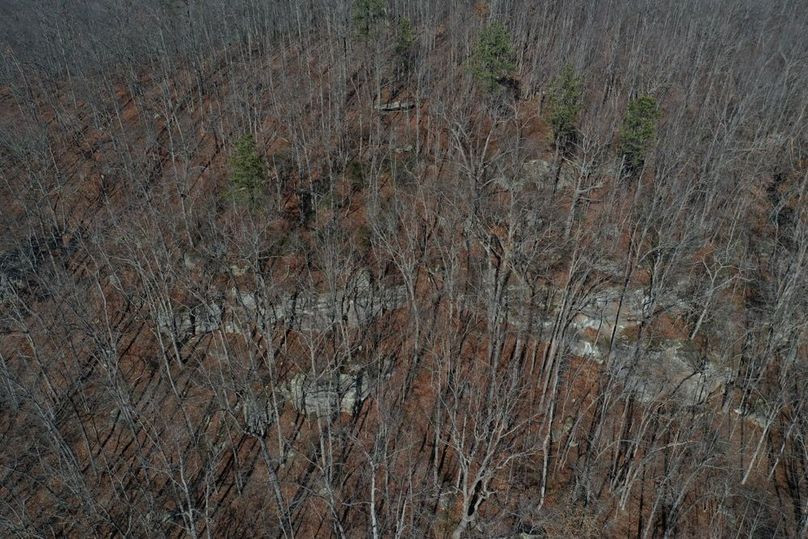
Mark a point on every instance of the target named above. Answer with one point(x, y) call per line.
point(429, 317)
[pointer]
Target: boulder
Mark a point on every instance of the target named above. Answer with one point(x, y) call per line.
point(584, 348)
point(327, 395)
point(189, 322)
point(256, 415)
point(395, 106)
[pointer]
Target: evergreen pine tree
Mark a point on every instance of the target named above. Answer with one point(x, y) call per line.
point(492, 58)
point(366, 15)
point(566, 102)
point(638, 132)
point(248, 171)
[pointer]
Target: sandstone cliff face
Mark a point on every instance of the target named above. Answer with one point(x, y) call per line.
point(671, 368)
point(325, 396)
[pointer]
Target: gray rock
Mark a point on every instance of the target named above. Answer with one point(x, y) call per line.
point(178, 324)
point(206, 318)
point(192, 261)
point(256, 415)
point(239, 270)
point(328, 395)
point(674, 372)
point(189, 322)
point(394, 106)
point(583, 348)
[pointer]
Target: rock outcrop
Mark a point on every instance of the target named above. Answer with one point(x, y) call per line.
point(326, 395)
point(240, 310)
point(395, 106)
point(191, 321)
point(672, 368)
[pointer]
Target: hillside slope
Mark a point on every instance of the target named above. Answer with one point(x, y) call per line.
point(404, 269)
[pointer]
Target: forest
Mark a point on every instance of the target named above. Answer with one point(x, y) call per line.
point(511, 269)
